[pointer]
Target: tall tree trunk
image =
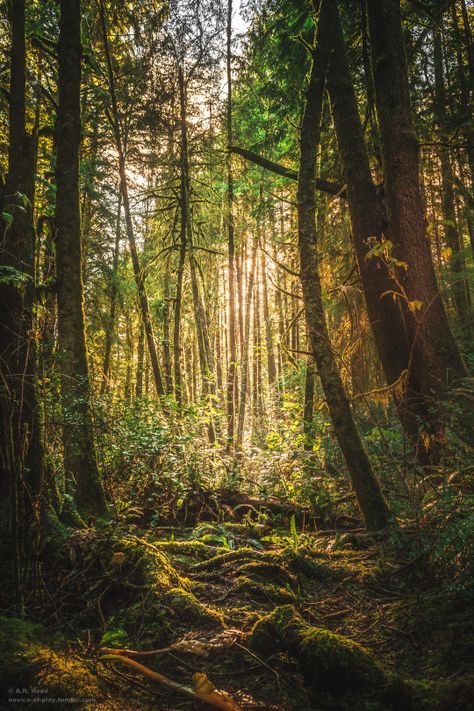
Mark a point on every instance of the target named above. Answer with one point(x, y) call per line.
point(245, 356)
point(110, 324)
point(368, 225)
point(271, 362)
point(79, 450)
point(371, 502)
point(140, 362)
point(21, 422)
point(308, 407)
point(138, 274)
point(178, 378)
point(166, 335)
point(436, 360)
point(232, 335)
point(459, 286)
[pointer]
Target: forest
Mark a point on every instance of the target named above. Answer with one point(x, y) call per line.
point(236, 355)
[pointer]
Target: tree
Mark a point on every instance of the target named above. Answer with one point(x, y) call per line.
point(78, 436)
point(21, 440)
point(371, 502)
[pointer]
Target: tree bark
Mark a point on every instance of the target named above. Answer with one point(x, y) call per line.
point(21, 418)
point(371, 502)
point(232, 335)
point(271, 362)
point(79, 450)
point(245, 356)
point(368, 222)
point(436, 359)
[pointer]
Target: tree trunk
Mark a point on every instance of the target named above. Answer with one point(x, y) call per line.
point(368, 226)
point(79, 450)
point(308, 407)
point(142, 295)
point(246, 348)
point(232, 335)
point(371, 502)
point(166, 335)
point(178, 378)
point(271, 362)
point(110, 324)
point(459, 286)
point(436, 360)
point(21, 418)
point(140, 362)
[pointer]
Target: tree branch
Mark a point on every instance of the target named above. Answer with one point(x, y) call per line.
point(324, 185)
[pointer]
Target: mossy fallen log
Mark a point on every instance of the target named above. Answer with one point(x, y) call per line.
point(329, 662)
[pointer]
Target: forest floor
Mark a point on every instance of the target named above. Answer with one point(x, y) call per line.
point(275, 620)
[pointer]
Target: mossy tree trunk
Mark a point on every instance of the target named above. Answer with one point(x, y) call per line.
point(79, 451)
point(371, 502)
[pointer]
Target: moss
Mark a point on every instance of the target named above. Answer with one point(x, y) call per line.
point(309, 563)
point(142, 563)
point(26, 661)
point(243, 616)
point(189, 549)
point(63, 674)
point(188, 609)
point(264, 570)
point(15, 636)
point(223, 559)
point(328, 661)
point(263, 591)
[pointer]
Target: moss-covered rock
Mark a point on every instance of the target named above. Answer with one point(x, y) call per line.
point(328, 661)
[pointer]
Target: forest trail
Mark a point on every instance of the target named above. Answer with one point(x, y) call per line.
point(250, 611)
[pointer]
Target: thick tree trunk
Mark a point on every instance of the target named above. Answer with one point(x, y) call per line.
point(79, 451)
point(21, 417)
point(435, 356)
point(371, 502)
point(368, 224)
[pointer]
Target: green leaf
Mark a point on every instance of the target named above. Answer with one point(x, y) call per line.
point(114, 636)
